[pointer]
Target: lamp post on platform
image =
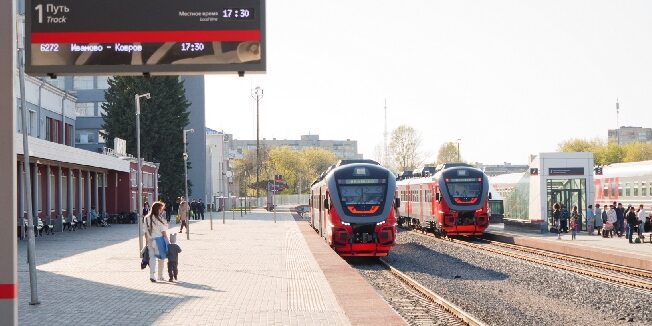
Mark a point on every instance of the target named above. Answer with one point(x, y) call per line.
point(139, 174)
point(185, 171)
point(458, 150)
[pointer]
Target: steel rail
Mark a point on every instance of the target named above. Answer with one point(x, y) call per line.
point(433, 297)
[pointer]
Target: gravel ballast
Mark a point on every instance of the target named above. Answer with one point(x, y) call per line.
point(505, 291)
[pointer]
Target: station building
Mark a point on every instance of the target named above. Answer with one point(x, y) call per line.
point(565, 178)
point(65, 180)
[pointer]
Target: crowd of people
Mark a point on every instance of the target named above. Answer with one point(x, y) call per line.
point(608, 221)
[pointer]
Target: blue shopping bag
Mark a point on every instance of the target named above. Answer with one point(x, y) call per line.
point(161, 248)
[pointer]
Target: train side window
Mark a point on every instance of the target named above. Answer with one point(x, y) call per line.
point(627, 190)
point(635, 189)
point(605, 191)
point(620, 189)
point(643, 189)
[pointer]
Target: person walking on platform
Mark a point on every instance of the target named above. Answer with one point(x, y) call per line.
point(597, 219)
point(620, 219)
point(589, 220)
point(183, 213)
point(173, 258)
point(641, 220)
point(578, 219)
point(632, 220)
point(556, 216)
point(157, 240)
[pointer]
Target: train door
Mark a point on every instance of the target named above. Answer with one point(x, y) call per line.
point(321, 215)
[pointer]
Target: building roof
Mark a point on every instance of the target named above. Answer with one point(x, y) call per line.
point(47, 150)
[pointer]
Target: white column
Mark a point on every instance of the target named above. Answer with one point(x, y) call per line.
point(71, 194)
point(48, 194)
point(96, 190)
point(88, 197)
point(36, 186)
point(21, 198)
point(80, 194)
point(59, 198)
point(104, 179)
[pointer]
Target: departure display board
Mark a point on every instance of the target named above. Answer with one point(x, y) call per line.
point(127, 37)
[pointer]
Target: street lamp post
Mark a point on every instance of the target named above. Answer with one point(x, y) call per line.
point(139, 175)
point(185, 172)
point(257, 95)
point(458, 150)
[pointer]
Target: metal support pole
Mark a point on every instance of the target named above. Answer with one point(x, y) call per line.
point(257, 95)
point(31, 246)
point(8, 189)
point(185, 171)
point(210, 216)
point(139, 174)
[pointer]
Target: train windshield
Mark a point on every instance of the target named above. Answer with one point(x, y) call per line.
point(362, 191)
point(464, 187)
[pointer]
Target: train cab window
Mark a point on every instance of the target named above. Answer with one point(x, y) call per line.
point(627, 190)
point(635, 194)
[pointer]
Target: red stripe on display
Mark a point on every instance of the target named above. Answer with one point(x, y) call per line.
point(8, 291)
point(146, 36)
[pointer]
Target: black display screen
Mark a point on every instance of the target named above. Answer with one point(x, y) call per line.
point(127, 36)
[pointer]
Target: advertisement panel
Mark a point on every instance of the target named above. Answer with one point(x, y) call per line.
point(127, 37)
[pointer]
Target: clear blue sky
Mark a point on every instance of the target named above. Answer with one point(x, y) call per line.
point(509, 78)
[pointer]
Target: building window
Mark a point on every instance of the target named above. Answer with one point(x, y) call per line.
point(59, 83)
point(103, 82)
point(82, 82)
point(85, 109)
point(32, 125)
point(85, 136)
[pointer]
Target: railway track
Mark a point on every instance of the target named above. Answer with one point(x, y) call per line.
point(413, 301)
point(608, 272)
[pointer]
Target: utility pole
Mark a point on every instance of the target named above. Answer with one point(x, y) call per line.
point(617, 123)
point(139, 175)
point(458, 150)
point(185, 170)
point(257, 95)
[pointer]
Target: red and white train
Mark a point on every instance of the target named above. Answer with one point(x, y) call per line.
point(453, 201)
point(627, 183)
point(353, 208)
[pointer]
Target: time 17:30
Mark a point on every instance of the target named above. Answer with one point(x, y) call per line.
point(192, 47)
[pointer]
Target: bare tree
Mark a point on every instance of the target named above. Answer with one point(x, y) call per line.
point(404, 148)
point(447, 153)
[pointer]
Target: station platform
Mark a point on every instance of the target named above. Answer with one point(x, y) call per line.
point(614, 250)
point(251, 270)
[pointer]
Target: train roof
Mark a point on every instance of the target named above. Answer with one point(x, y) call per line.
point(345, 162)
point(629, 169)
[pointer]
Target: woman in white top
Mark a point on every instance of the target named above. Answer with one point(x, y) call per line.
point(155, 226)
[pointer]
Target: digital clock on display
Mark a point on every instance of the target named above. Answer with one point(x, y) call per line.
point(238, 13)
point(192, 47)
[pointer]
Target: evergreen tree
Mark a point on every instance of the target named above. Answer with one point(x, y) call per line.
point(162, 120)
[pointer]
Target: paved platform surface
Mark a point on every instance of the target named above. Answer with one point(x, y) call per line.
point(249, 271)
point(615, 250)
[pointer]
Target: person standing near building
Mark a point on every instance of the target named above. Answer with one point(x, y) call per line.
point(612, 221)
point(201, 208)
point(641, 220)
point(597, 219)
point(632, 220)
point(575, 221)
point(183, 213)
point(564, 218)
point(589, 220)
point(157, 240)
point(620, 219)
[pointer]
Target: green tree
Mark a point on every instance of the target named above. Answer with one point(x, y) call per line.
point(162, 120)
point(580, 145)
point(635, 152)
point(404, 148)
point(447, 153)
